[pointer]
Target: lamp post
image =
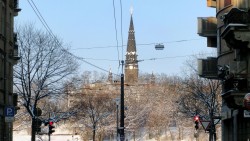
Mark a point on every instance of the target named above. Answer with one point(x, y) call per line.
point(117, 101)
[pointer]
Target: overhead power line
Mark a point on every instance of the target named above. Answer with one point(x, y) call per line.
point(93, 65)
point(40, 17)
point(153, 59)
point(48, 29)
point(141, 44)
point(116, 37)
point(121, 27)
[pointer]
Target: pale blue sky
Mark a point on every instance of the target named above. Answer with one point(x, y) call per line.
point(88, 24)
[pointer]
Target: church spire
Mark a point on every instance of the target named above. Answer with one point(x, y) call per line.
point(131, 63)
point(131, 47)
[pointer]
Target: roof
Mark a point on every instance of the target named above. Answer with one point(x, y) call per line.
point(131, 47)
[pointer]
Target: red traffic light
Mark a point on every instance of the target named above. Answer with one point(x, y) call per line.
point(196, 118)
point(51, 127)
point(51, 123)
point(196, 121)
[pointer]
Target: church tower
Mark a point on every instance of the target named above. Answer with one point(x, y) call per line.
point(131, 63)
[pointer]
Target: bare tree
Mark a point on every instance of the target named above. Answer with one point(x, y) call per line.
point(42, 68)
point(200, 96)
point(97, 108)
point(151, 104)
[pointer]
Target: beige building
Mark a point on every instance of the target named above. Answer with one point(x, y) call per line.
point(8, 58)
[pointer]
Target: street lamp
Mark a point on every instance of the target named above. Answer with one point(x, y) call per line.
point(117, 101)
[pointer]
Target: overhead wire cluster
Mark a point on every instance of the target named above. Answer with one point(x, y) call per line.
point(48, 29)
point(140, 44)
point(118, 47)
point(116, 35)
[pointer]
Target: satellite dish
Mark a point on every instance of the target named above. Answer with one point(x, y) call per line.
point(159, 47)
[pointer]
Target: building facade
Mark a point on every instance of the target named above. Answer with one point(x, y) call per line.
point(229, 32)
point(8, 58)
point(131, 63)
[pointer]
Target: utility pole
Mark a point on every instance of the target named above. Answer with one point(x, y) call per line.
point(122, 135)
point(117, 101)
point(33, 132)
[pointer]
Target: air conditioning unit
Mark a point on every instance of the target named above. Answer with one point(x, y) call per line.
point(207, 26)
point(207, 68)
point(211, 3)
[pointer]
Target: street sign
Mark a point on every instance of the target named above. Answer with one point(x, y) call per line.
point(216, 121)
point(9, 111)
point(205, 124)
point(9, 119)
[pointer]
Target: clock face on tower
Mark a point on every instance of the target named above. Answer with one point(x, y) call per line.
point(130, 67)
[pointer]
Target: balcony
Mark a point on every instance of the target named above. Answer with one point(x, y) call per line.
point(236, 16)
point(207, 26)
point(207, 68)
point(237, 30)
point(237, 36)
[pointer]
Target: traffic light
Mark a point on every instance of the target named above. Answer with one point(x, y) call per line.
point(196, 121)
point(51, 126)
point(37, 125)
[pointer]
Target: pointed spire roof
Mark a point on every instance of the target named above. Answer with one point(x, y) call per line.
point(131, 47)
point(131, 26)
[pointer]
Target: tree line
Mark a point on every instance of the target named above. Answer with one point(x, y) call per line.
point(47, 77)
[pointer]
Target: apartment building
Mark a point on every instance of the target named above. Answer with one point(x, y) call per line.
point(8, 58)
